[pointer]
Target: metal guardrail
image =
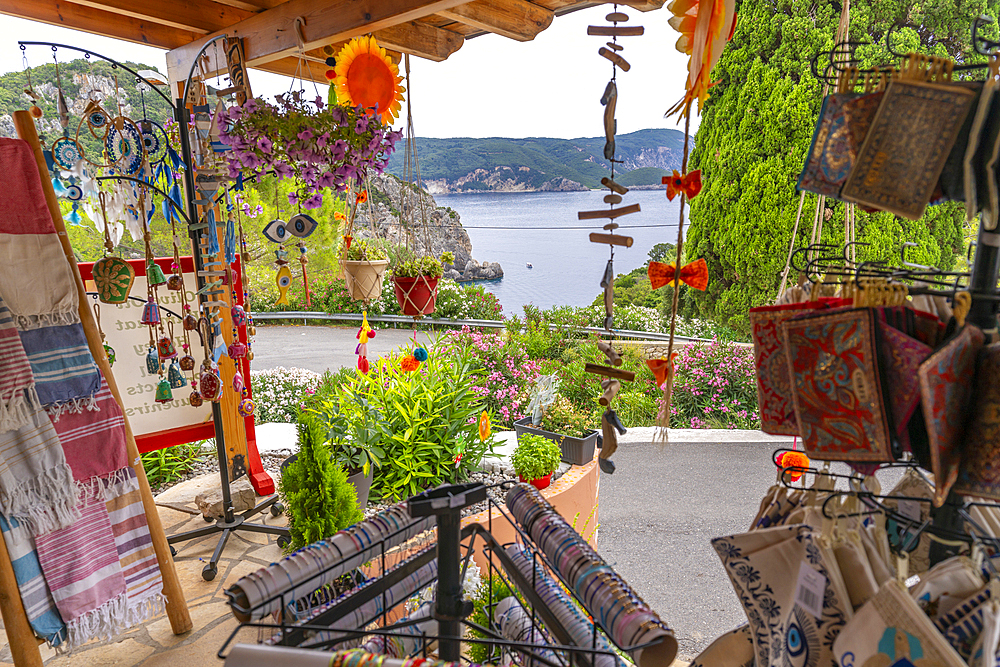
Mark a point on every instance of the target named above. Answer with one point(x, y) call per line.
point(485, 324)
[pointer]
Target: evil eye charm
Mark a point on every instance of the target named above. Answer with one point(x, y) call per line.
point(97, 118)
point(66, 153)
point(276, 231)
point(301, 225)
point(74, 193)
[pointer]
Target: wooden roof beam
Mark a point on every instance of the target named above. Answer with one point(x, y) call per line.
point(200, 17)
point(516, 19)
point(420, 39)
point(98, 22)
point(271, 35)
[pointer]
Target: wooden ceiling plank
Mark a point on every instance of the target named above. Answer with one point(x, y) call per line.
point(320, 55)
point(98, 22)
point(420, 39)
point(202, 17)
point(517, 19)
point(290, 67)
point(271, 35)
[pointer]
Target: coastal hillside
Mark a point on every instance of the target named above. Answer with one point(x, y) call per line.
point(540, 163)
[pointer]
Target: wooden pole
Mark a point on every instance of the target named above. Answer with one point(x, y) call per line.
point(177, 611)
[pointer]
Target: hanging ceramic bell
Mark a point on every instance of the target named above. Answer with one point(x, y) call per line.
point(175, 377)
point(238, 384)
point(163, 393)
point(195, 399)
point(237, 350)
point(165, 348)
point(152, 361)
point(239, 316)
point(249, 355)
point(186, 362)
point(110, 353)
point(154, 275)
point(211, 384)
point(150, 313)
point(190, 322)
point(113, 277)
point(246, 407)
point(175, 283)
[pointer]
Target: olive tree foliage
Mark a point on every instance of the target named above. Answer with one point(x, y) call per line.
point(756, 129)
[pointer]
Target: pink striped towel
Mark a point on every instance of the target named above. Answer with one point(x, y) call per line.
point(18, 398)
point(94, 440)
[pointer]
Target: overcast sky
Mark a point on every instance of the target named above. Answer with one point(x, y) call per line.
point(491, 87)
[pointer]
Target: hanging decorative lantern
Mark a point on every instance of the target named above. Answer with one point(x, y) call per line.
point(165, 348)
point(150, 313)
point(239, 316)
point(163, 393)
point(175, 283)
point(246, 407)
point(237, 350)
point(175, 377)
point(113, 277)
point(186, 362)
point(154, 275)
point(152, 361)
point(211, 383)
point(195, 399)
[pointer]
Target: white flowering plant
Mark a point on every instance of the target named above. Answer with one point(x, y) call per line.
point(280, 392)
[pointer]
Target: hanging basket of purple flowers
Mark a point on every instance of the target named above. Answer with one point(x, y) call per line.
point(323, 146)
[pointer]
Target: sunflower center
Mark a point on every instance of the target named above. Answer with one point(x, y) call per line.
point(371, 82)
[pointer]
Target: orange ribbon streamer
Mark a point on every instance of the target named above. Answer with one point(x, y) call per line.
point(694, 274)
point(660, 368)
point(689, 184)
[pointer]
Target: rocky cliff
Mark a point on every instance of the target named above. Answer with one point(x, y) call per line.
point(405, 215)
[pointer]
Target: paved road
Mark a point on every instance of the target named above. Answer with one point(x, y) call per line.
point(657, 512)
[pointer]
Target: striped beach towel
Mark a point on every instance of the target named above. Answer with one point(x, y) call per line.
point(144, 587)
point(18, 398)
point(36, 483)
point(66, 376)
point(93, 441)
point(38, 603)
point(81, 566)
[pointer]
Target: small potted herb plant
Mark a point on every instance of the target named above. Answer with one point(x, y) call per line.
point(535, 459)
point(554, 417)
point(415, 281)
point(364, 263)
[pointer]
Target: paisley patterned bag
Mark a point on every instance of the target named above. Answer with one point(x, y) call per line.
point(767, 568)
point(979, 471)
point(945, 391)
point(838, 386)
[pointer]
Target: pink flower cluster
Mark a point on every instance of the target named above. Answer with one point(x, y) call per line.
point(325, 147)
point(715, 387)
point(505, 373)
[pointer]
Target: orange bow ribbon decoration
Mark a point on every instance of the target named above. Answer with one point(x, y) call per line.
point(694, 274)
point(689, 184)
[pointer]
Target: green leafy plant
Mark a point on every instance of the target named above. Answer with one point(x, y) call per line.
point(485, 654)
point(166, 466)
point(354, 428)
point(364, 249)
point(428, 266)
point(564, 418)
point(317, 495)
point(535, 457)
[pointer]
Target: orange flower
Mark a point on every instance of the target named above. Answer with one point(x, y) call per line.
point(409, 363)
point(793, 460)
point(337, 215)
point(362, 197)
point(484, 426)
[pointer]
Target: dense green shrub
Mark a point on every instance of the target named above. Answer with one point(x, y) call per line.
point(318, 498)
point(535, 457)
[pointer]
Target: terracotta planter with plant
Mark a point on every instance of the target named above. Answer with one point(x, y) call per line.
point(415, 282)
point(364, 264)
point(535, 459)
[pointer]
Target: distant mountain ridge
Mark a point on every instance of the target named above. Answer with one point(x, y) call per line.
point(540, 163)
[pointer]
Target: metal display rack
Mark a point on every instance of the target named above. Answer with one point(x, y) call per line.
point(453, 549)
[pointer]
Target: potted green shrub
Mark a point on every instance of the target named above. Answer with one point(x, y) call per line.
point(364, 263)
point(535, 459)
point(415, 281)
point(318, 499)
point(554, 417)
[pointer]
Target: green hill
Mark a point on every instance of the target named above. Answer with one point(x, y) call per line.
point(643, 176)
point(541, 163)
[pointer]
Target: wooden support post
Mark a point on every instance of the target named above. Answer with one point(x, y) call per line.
point(177, 611)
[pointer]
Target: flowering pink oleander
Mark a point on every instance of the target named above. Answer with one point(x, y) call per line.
point(715, 387)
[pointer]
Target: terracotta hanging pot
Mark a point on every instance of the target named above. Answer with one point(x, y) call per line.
point(363, 278)
point(416, 296)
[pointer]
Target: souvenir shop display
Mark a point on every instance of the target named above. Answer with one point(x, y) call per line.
point(562, 584)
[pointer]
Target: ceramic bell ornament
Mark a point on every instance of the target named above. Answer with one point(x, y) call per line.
point(113, 276)
point(186, 362)
point(154, 275)
point(165, 348)
point(175, 283)
point(150, 313)
point(211, 383)
point(175, 377)
point(163, 393)
point(190, 322)
point(195, 399)
point(152, 361)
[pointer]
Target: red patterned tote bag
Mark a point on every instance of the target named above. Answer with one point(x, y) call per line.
point(838, 386)
point(979, 471)
point(946, 380)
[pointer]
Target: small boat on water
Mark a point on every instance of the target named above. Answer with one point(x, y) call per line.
point(528, 264)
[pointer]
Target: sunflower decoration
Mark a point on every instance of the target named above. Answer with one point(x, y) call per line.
point(366, 76)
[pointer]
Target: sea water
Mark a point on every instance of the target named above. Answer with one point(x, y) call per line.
point(566, 267)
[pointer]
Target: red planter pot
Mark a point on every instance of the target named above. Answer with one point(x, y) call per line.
point(540, 483)
point(416, 296)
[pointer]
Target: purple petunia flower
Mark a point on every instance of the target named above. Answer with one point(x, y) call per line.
point(305, 135)
point(327, 180)
point(313, 202)
point(293, 198)
point(283, 170)
point(265, 144)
